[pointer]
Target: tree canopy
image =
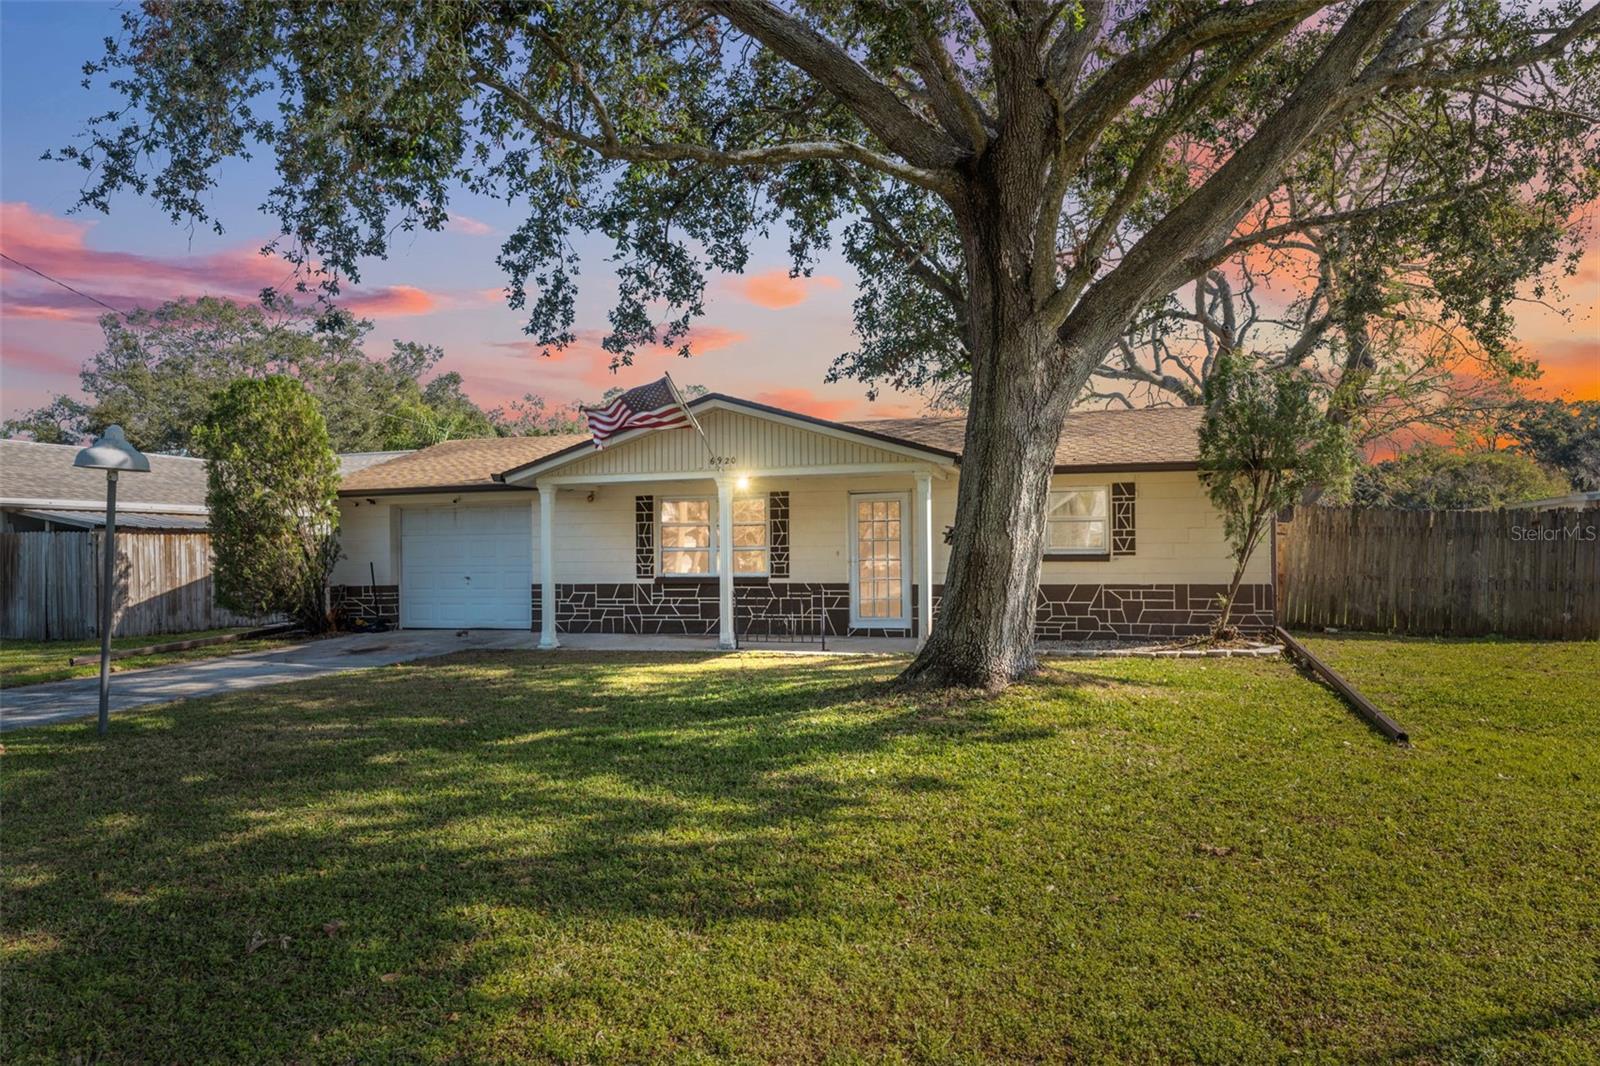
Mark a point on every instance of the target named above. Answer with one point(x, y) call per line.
point(1265, 440)
point(1560, 435)
point(1018, 183)
point(272, 490)
point(1431, 477)
point(159, 371)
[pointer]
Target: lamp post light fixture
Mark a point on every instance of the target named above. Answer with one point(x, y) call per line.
point(113, 454)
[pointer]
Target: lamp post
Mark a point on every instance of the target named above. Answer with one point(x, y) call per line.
point(113, 454)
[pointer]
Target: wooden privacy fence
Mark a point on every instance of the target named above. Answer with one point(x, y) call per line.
point(50, 585)
point(1458, 573)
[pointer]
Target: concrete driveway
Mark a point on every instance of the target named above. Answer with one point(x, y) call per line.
point(59, 701)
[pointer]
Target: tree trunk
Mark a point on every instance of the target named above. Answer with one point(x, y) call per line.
point(1221, 624)
point(984, 634)
point(1024, 379)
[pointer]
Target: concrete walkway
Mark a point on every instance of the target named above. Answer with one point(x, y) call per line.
point(60, 701)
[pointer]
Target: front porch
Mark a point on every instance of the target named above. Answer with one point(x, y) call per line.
point(768, 558)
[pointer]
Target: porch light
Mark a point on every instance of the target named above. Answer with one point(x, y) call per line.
point(113, 454)
point(742, 482)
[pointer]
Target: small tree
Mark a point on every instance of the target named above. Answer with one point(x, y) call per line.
point(272, 489)
point(1263, 442)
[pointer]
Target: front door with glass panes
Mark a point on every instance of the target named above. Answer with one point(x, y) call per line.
point(880, 558)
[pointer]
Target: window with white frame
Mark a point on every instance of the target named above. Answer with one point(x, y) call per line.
point(752, 547)
point(689, 540)
point(686, 546)
point(1076, 521)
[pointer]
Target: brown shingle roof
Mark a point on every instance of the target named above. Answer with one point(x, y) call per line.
point(1109, 439)
point(455, 464)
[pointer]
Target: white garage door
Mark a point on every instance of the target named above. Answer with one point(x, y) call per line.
point(466, 567)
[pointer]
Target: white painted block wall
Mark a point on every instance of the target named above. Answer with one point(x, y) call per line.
point(1179, 534)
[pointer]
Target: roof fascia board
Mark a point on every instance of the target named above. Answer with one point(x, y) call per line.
point(425, 490)
point(100, 505)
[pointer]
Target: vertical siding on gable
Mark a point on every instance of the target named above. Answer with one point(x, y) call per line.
point(754, 444)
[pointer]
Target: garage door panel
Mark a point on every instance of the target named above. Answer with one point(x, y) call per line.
point(468, 567)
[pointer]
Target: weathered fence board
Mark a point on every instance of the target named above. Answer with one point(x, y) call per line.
point(1460, 573)
point(50, 585)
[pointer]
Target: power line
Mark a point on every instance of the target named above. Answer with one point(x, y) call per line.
point(128, 315)
point(64, 285)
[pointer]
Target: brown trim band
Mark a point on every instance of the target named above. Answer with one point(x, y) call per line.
point(1112, 468)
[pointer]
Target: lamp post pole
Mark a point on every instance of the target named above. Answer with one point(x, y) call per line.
point(107, 594)
point(111, 453)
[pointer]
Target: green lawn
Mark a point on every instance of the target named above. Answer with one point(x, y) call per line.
point(29, 662)
point(511, 857)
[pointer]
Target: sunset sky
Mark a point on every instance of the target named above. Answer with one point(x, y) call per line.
point(765, 336)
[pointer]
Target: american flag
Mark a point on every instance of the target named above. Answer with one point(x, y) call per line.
point(652, 406)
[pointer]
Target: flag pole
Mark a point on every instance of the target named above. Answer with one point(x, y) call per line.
point(693, 421)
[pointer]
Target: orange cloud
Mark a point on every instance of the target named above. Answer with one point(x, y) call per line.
point(394, 301)
point(775, 289)
point(1571, 368)
point(703, 339)
point(805, 402)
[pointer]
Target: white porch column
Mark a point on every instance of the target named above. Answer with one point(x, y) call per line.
point(547, 567)
point(924, 527)
point(725, 637)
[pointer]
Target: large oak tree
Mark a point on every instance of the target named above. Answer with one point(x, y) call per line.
point(1019, 181)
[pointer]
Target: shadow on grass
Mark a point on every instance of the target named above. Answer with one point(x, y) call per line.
point(289, 845)
point(1476, 1043)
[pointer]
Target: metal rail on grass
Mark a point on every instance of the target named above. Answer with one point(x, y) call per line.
point(1362, 706)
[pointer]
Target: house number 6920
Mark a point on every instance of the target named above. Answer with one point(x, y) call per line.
point(721, 461)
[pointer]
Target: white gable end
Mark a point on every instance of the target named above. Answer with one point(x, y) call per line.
point(738, 443)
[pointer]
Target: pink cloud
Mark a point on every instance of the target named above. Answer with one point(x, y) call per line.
point(775, 289)
point(125, 280)
point(25, 357)
point(806, 402)
point(468, 225)
point(393, 301)
point(60, 247)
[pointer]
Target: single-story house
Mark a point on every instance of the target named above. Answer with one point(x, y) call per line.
point(775, 519)
point(41, 491)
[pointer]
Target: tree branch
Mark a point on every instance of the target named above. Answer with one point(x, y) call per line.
point(1423, 77)
point(1139, 175)
point(874, 103)
point(941, 182)
point(1237, 183)
point(1199, 265)
point(914, 258)
point(949, 97)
